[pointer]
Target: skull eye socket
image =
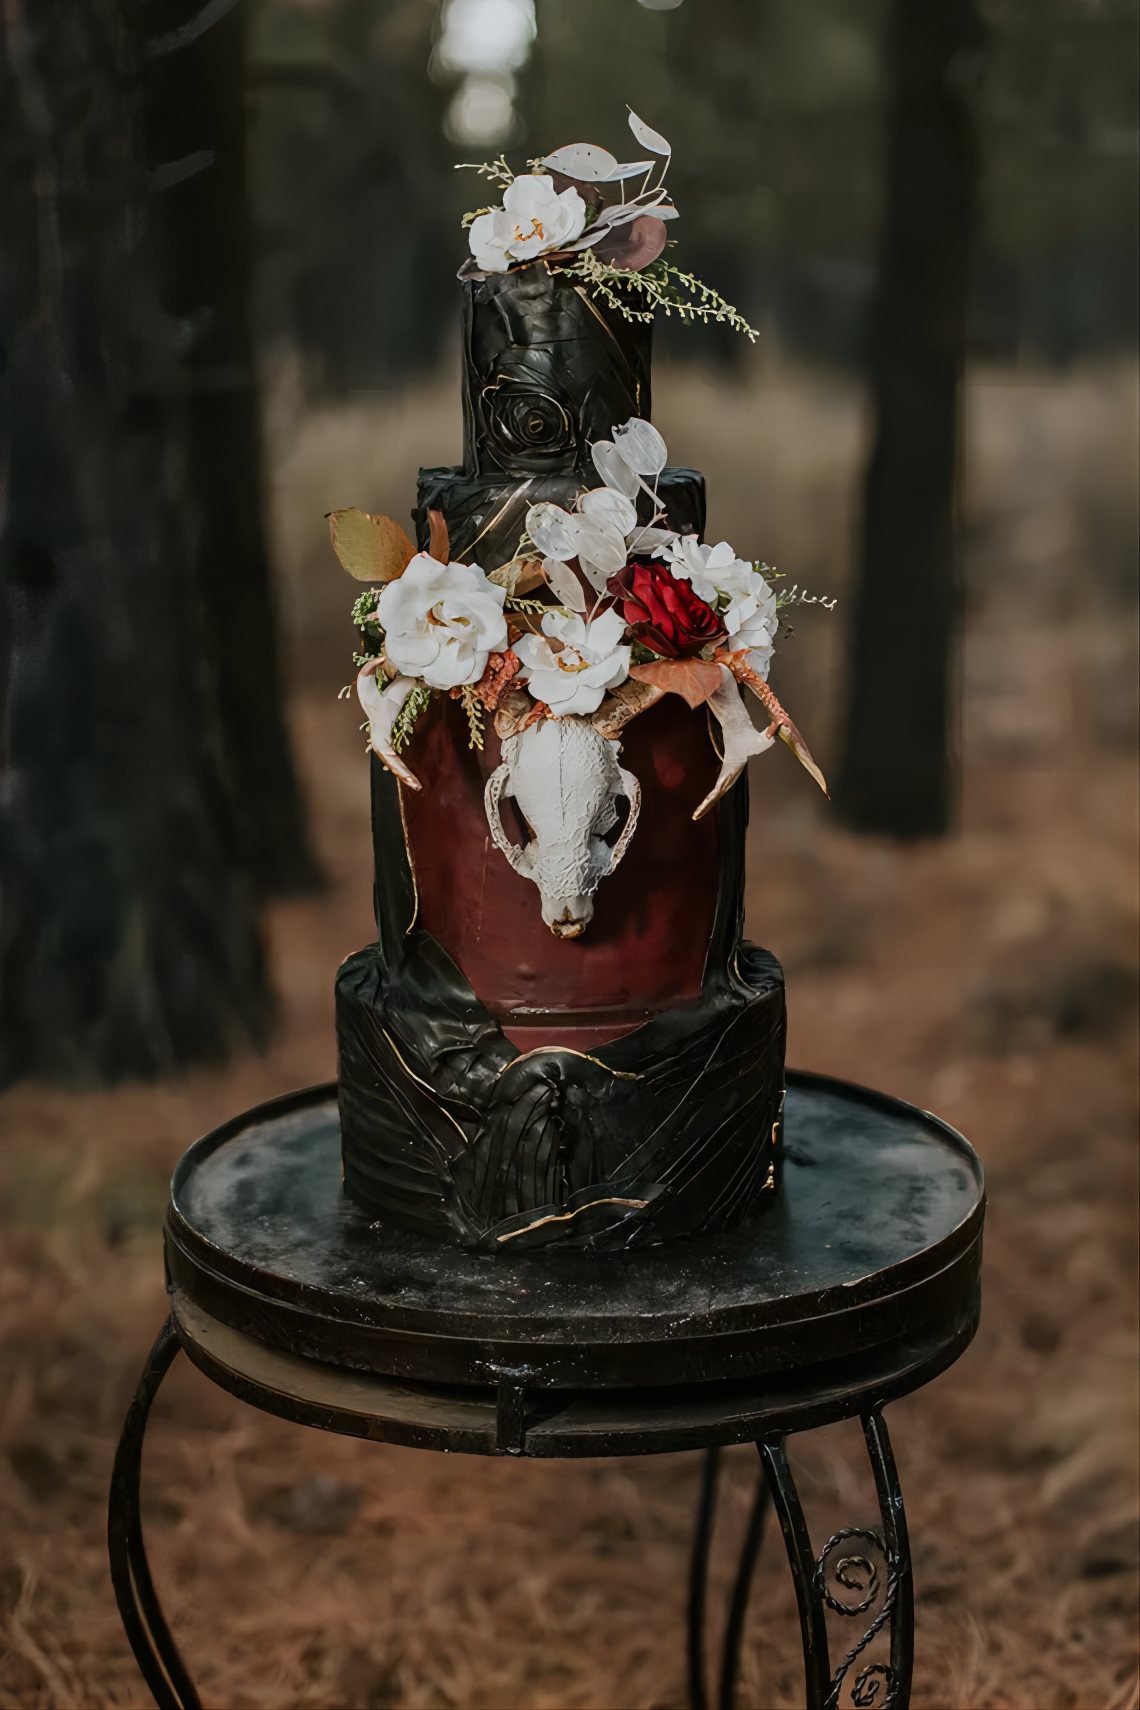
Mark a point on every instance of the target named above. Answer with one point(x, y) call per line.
point(621, 805)
point(515, 823)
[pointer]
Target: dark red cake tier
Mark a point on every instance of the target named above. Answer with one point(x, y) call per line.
point(645, 948)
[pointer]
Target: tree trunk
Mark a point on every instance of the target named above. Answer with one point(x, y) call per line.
point(195, 130)
point(128, 932)
point(896, 773)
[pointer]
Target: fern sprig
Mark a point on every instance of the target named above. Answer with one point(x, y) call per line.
point(405, 722)
point(661, 286)
point(364, 613)
point(497, 171)
point(513, 605)
point(475, 714)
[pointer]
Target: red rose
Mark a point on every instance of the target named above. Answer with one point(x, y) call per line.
point(663, 611)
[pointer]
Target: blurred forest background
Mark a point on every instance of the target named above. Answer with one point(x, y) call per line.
point(227, 306)
point(777, 115)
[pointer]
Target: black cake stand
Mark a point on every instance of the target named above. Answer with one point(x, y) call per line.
point(857, 1285)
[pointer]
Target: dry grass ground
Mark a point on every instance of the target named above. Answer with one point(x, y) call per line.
point(988, 977)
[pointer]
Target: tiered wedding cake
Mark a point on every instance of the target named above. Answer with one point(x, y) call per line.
point(560, 1035)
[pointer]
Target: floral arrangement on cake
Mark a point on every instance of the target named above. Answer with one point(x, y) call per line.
point(633, 611)
point(572, 211)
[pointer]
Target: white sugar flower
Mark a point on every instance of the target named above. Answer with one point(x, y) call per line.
point(441, 621)
point(594, 533)
point(553, 531)
point(715, 571)
point(603, 529)
point(532, 221)
point(605, 505)
point(735, 588)
point(752, 624)
point(636, 450)
point(574, 679)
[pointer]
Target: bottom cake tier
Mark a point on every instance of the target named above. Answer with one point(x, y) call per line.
point(672, 1130)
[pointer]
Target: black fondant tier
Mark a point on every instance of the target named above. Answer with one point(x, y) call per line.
point(485, 514)
point(546, 372)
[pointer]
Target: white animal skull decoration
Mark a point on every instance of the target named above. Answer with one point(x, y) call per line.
point(564, 775)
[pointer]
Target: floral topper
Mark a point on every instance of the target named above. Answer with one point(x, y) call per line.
point(581, 211)
point(626, 608)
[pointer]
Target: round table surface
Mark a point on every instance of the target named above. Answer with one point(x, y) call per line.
point(860, 1276)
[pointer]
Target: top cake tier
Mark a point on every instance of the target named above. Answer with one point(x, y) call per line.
point(546, 372)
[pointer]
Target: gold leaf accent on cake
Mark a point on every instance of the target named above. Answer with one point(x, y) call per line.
point(568, 1051)
point(568, 1216)
point(519, 576)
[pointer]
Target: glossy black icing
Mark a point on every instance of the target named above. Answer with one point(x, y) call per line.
point(485, 514)
point(546, 371)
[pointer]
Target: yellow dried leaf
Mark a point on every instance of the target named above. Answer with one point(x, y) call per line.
point(373, 549)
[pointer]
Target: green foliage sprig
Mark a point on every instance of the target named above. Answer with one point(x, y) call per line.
point(797, 596)
point(475, 714)
point(366, 621)
point(496, 171)
point(515, 605)
point(405, 723)
point(661, 286)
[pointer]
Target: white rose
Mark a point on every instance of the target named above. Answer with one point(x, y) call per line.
point(736, 589)
point(715, 571)
point(532, 221)
point(574, 679)
point(441, 621)
point(756, 630)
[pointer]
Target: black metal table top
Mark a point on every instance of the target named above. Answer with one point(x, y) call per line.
point(871, 1249)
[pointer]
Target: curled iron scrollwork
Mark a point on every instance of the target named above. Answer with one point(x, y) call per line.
point(857, 1572)
point(865, 1691)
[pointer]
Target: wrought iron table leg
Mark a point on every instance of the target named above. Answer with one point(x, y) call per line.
point(854, 1573)
point(738, 1609)
point(699, 1579)
point(146, 1629)
point(897, 1541)
point(801, 1560)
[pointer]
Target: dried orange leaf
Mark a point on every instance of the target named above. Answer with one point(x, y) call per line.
point(373, 549)
point(518, 576)
point(439, 543)
point(694, 679)
point(531, 576)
